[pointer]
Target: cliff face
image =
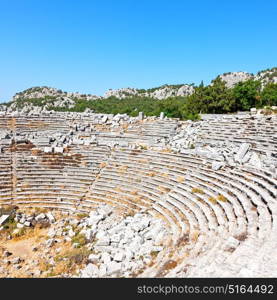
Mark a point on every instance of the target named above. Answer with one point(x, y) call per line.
point(233, 78)
point(160, 93)
point(266, 76)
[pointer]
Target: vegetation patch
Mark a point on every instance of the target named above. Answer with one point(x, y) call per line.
point(222, 198)
point(197, 191)
point(79, 239)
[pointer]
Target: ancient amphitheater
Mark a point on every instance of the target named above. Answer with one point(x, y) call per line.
point(213, 182)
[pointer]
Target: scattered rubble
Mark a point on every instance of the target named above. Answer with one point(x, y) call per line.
point(116, 245)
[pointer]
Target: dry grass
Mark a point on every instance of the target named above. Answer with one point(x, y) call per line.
point(197, 191)
point(76, 256)
point(166, 150)
point(7, 209)
point(25, 185)
point(118, 189)
point(39, 210)
point(183, 240)
point(44, 266)
point(241, 237)
point(68, 261)
point(129, 213)
point(60, 268)
point(35, 151)
point(221, 198)
point(8, 228)
point(122, 169)
point(139, 200)
point(169, 265)
point(84, 163)
point(102, 165)
point(125, 126)
point(212, 200)
point(80, 239)
point(143, 161)
point(143, 147)
point(180, 179)
point(194, 236)
point(134, 193)
point(164, 189)
point(35, 233)
point(154, 254)
point(82, 215)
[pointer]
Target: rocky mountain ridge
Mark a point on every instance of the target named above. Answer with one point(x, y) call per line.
point(47, 97)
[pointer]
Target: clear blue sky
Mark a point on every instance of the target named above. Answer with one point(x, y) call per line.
point(91, 46)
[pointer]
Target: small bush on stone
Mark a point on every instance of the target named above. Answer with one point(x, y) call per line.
point(44, 267)
point(181, 179)
point(182, 240)
point(21, 232)
point(154, 254)
point(75, 256)
point(212, 200)
point(197, 190)
point(8, 210)
point(195, 236)
point(102, 165)
point(169, 265)
point(82, 215)
point(80, 239)
point(143, 147)
point(10, 226)
point(241, 237)
point(221, 198)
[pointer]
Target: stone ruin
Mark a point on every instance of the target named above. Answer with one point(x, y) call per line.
point(200, 195)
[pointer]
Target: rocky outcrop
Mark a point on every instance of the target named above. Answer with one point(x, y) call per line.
point(121, 93)
point(42, 98)
point(42, 92)
point(160, 93)
point(266, 76)
point(232, 78)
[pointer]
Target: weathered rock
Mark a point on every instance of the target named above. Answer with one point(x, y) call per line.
point(90, 234)
point(90, 271)
point(27, 224)
point(40, 217)
point(6, 253)
point(16, 260)
point(231, 244)
point(242, 152)
point(49, 243)
point(217, 165)
point(106, 258)
point(94, 258)
point(50, 217)
point(119, 257)
point(52, 232)
point(141, 115)
point(114, 268)
point(3, 219)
